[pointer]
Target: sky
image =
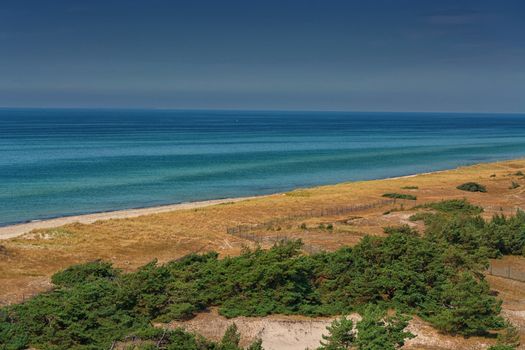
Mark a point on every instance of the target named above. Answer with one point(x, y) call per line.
point(373, 55)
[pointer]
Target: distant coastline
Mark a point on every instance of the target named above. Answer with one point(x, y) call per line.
point(15, 230)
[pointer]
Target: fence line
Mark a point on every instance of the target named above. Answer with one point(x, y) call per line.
point(340, 210)
point(507, 272)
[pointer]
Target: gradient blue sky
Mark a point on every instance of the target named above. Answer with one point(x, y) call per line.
point(374, 55)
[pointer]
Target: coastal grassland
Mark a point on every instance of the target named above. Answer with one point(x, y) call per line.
point(437, 276)
point(94, 304)
point(130, 243)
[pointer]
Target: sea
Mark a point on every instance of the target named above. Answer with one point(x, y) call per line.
point(60, 162)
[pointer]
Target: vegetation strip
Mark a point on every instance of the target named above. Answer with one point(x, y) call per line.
point(438, 276)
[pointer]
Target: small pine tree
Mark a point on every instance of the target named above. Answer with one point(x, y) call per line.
point(341, 335)
point(231, 338)
point(466, 307)
point(376, 331)
point(256, 345)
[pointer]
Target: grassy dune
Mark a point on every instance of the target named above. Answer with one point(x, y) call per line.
point(28, 261)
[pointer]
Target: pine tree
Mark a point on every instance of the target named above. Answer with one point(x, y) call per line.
point(377, 331)
point(341, 335)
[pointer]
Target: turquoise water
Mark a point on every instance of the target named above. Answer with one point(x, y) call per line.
point(65, 162)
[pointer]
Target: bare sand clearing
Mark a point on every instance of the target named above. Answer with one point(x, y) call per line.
point(281, 332)
point(12, 231)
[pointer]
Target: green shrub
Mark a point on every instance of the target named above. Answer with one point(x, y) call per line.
point(454, 206)
point(501, 347)
point(472, 187)
point(410, 187)
point(465, 307)
point(400, 196)
point(437, 276)
point(421, 216)
point(375, 331)
point(83, 273)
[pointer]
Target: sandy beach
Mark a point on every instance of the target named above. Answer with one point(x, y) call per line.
point(16, 230)
point(11, 231)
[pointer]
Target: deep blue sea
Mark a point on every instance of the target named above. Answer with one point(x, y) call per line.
point(64, 162)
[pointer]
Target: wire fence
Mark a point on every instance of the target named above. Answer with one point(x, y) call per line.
point(507, 272)
point(246, 231)
point(305, 214)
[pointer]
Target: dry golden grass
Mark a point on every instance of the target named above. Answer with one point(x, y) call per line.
point(27, 262)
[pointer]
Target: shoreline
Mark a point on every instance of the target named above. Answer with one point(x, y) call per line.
point(19, 229)
point(15, 230)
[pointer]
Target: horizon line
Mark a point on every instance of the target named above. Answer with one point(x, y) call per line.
point(246, 110)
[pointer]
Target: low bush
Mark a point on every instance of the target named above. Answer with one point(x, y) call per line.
point(437, 276)
point(472, 187)
point(376, 330)
point(400, 196)
point(454, 206)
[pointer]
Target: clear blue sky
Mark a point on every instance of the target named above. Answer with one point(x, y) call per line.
point(397, 55)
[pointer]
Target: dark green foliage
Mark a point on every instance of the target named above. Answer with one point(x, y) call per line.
point(437, 276)
point(423, 216)
point(179, 339)
point(454, 206)
point(341, 335)
point(480, 238)
point(77, 274)
point(400, 196)
point(501, 347)
point(464, 306)
point(519, 173)
point(231, 338)
point(376, 331)
point(472, 187)
point(457, 222)
point(410, 187)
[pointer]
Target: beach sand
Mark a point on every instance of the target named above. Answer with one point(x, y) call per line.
point(15, 230)
point(12, 231)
